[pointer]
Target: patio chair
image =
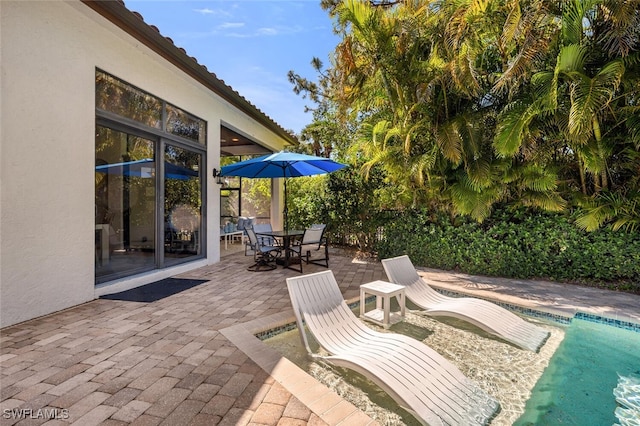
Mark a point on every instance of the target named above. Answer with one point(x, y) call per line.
point(419, 379)
point(243, 224)
point(488, 316)
point(265, 256)
point(313, 241)
point(265, 227)
point(264, 240)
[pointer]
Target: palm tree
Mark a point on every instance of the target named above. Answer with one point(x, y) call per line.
point(587, 97)
point(468, 103)
point(424, 77)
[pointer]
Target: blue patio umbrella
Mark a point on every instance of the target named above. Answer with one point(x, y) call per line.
point(282, 165)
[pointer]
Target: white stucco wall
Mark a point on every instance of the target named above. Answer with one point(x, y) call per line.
point(50, 51)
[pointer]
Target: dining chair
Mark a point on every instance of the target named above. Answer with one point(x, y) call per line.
point(264, 255)
point(313, 241)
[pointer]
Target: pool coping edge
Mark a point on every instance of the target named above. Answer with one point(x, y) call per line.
point(321, 400)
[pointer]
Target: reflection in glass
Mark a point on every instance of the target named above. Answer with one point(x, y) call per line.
point(256, 198)
point(116, 96)
point(183, 124)
point(244, 197)
point(183, 203)
point(230, 182)
point(229, 203)
point(125, 197)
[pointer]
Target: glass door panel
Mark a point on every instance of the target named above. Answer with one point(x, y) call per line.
point(125, 199)
point(256, 199)
point(182, 204)
point(229, 209)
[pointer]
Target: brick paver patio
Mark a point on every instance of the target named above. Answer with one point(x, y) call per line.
point(167, 363)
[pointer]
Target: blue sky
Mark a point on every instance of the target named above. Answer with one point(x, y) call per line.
point(251, 45)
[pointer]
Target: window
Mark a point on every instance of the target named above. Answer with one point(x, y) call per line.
point(244, 197)
point(124, 100)
point(149, 185)
point(180, 123)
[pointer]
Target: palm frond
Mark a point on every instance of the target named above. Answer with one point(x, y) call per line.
point(572, 57)
point(479, 174)
point(545, 89)
point(538, 179)
point(476, 204)
point(422, 165)
point(572, 14)
point(547, 201)
point(589, 96)
point(621, 30)
point(379, 133)
point(450, 142)
point(632, 123)
point(464, 74)
point(511, 22)
point(619, 210)
point(512, 124)
point(377, 156)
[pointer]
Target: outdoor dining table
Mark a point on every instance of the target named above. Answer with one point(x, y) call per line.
point(286, 237)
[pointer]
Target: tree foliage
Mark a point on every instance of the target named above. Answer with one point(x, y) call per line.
point(463, 105)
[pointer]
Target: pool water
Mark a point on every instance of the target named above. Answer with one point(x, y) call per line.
point(569, 382)
point(577, 386)
point(504, 371)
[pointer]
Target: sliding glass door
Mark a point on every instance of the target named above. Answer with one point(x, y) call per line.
point(149, 183)
point(182, 203)
point(125, 204)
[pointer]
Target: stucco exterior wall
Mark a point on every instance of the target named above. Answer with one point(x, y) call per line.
point(50, 51)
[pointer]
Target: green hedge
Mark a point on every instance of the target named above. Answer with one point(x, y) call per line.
point(517, 245)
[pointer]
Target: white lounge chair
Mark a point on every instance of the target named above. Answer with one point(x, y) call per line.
point(419, 379)
point(488, 316)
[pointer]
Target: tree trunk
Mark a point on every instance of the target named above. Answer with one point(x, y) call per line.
point(583, 178)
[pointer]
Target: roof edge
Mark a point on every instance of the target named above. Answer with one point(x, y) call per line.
point(133, 24)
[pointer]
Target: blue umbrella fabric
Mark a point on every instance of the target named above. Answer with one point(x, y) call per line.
point(145, 168)
point(282, 165)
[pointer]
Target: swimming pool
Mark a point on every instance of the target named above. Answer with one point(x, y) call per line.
point(577, 386)
point(506, 372)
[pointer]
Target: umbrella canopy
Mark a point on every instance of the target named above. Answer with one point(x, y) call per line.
point(282, 165)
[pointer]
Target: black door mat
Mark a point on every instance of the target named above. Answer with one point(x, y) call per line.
point(155, 291)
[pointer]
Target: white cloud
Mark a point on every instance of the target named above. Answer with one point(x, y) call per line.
point(205, 11)
point(216, 12)
point(227, 25)
point(267, 31)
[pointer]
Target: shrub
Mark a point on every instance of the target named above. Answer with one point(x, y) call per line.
point(516, 244)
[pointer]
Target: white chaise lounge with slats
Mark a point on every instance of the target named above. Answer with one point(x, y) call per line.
point(488, 316)
point(419, 379)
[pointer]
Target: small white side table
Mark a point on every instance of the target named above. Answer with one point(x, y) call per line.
point(229, 236)
point(383, 291)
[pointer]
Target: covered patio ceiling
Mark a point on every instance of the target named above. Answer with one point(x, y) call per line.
point(233, 143)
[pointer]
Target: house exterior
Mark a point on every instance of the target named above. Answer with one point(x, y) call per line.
point(109, 135)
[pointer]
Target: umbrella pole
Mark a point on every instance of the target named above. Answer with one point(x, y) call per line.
point(286, 209)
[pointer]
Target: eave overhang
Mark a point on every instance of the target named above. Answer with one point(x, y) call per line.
point(133, 24)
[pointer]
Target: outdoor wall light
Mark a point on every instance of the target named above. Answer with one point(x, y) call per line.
point(218, 176)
